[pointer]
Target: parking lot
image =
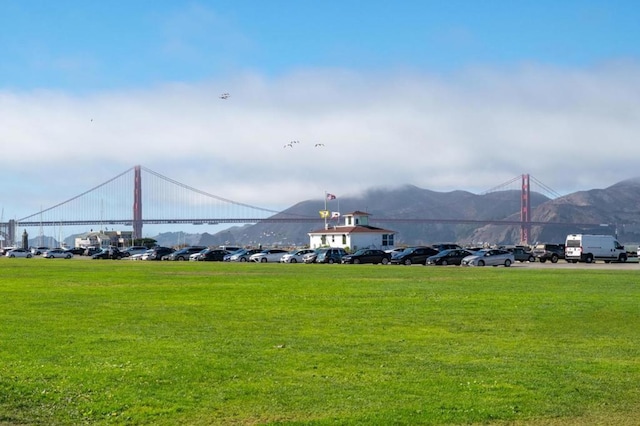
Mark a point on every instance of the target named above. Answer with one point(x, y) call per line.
point(631, 264)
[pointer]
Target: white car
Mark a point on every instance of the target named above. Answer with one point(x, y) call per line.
point(395, 250)
point(295, 256)
point(140, 256)
point(268, 255)
point(489, 257)
point(57, 253)
point(310, 257)
point(194, 256)
point(19, 253)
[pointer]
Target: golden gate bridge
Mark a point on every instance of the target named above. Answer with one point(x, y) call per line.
point(167, 201)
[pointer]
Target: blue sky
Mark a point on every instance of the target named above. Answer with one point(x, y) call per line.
point(80, 45)
point(406, 92)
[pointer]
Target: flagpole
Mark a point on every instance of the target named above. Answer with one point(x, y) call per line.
point(325, 209)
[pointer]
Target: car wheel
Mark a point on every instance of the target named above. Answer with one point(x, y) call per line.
point(13, 255)
point(407, 262)
point(29, 256)
point(330, 261)
point(623, 258)
point(532, 259)
point(589, 259)
point(242, 259)
point(385, 261)
point(263, 260)
point(68, 256)
point(293, 260)
point(444, 263)
point(554, 259)
point(481, 263)
point(356, 261)
point(542, 260)
point(507, 263)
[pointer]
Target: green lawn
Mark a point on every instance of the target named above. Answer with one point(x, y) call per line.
point(120, 342)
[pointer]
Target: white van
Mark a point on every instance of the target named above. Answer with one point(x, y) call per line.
point(589, 248)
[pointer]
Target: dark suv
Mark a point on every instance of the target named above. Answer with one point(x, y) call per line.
point(158, 252)
point(552, 252)
point(413, 255)
point(522, 254)
point(446, 246)
point(185, 252)
point(330, 255)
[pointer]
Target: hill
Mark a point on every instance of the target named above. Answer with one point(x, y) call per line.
point(617, 204)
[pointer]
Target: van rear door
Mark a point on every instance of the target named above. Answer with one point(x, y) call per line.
point(573, 247)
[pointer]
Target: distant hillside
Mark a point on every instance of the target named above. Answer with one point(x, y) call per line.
point(617, 204)
point(407, 202)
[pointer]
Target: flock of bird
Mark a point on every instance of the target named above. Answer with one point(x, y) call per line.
point(293, 143)
point(225, 96)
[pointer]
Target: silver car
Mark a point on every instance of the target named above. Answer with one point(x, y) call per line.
point(489, 257)
point(19, 252)
point(295, 256)
point(57, 253)
point(268, 255)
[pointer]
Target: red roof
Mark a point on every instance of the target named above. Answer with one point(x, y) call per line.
point(352, 230)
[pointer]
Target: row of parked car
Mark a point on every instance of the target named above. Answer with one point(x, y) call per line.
point(437, 254)
point(47, 253)
point(441, 254)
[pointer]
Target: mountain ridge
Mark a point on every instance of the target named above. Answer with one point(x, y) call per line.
point(616, 204)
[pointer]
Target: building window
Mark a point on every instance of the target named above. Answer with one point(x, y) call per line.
point(344, 239)
point(323, 240)
point(349, 220)
point(387, 239)
point(333, 238)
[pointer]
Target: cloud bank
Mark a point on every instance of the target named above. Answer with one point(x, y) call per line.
point(571, 129)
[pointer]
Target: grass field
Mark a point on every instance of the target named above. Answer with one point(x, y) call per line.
point(120, 342)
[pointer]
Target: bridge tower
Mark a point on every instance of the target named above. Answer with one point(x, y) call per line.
point(525, 210)
point(11, 231)
point(137, 203)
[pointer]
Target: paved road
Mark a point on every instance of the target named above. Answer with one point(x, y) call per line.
point(631, 265)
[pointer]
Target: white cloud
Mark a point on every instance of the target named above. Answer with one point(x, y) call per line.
point(571, 129)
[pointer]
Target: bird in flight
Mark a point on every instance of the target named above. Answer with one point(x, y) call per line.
point(318, 145)
point(290, 144)
point(225, 96)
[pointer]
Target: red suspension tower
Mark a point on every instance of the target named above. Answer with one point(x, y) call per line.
point(137, 203)
point(525, 210)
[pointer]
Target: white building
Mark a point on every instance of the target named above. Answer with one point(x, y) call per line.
point(354, 234)
point(104, 239)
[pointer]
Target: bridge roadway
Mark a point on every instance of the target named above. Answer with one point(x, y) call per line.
point(216, 221)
